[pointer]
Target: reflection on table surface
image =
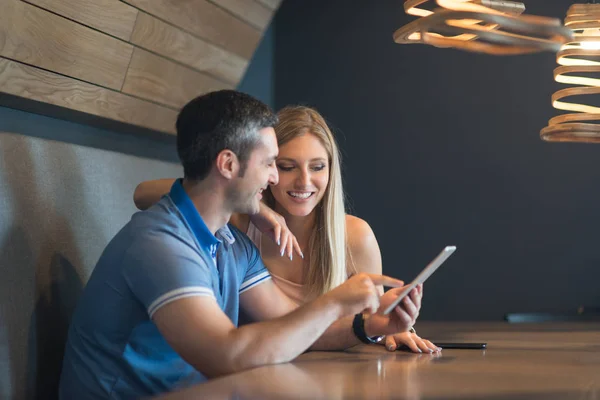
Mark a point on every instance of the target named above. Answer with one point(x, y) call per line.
point(522, 361)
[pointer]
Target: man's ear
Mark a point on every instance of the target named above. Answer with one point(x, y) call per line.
point(228, 164)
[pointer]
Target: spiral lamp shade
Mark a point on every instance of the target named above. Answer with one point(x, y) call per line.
point(484, 26)
point(579, 62)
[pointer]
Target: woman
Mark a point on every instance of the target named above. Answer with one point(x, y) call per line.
point(309, 197)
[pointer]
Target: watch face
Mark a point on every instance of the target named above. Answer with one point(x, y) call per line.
point(376, 339)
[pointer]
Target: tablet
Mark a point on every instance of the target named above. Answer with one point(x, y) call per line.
point(422, 277)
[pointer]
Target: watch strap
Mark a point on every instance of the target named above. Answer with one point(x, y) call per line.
point(358, 327)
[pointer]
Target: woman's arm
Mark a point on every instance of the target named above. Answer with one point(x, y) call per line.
point(149, 192)
point(267, 221)
point(365, 256)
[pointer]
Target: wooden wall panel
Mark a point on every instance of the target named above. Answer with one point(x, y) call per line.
point(168, 41)
point(272, 4)
point(251, 11)
point(111, 16)
point(135, 62)
point(33, 83)
point(207, 21)
point(33, 36)
point(157, 79)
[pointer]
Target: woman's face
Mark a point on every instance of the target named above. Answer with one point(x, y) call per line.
point(303, 166)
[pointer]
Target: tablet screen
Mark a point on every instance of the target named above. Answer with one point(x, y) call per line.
point(422, 277)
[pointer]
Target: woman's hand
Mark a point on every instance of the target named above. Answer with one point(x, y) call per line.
point(401, 318)
point(273, 225)
point(411, 340)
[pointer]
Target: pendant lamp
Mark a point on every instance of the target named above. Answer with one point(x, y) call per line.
point(484, 26)
point(579, 66)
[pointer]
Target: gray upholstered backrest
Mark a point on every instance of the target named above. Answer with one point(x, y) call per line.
point(61, 201)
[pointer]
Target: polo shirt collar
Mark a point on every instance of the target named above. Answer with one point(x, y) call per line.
point(185, 205)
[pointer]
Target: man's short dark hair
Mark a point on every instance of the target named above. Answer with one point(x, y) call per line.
point(216, 121)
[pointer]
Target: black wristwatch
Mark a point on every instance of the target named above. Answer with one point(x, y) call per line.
point(358, 327)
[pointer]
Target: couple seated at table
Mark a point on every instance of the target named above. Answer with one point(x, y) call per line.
point(160, 310)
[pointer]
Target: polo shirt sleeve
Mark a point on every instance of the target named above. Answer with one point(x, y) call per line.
point(162, 268)
point(257, 272)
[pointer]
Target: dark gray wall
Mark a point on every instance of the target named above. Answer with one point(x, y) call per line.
point(259, 78)
point(442, 147)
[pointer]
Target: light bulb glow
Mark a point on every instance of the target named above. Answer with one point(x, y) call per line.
point(590, 45)
point(578, 67)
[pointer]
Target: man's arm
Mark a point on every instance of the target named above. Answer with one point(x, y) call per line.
point(218, 347)
point(266, 301)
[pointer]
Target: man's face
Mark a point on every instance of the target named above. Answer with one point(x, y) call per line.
point(246, 190)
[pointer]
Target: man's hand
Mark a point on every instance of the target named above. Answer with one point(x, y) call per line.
point(273, 225)
point(401, 318)
point(359, 293)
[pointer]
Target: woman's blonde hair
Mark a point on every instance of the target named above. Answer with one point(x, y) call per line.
point(327, 244)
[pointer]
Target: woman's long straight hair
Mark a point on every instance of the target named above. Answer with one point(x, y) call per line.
point(327, 243)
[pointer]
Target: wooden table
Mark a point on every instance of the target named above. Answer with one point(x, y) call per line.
point(523, 361)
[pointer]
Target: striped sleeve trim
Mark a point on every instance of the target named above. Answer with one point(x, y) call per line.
point(179, 294)
point(250, 283)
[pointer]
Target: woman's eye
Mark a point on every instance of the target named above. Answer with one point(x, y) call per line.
point(318, 167)
point(285, 167)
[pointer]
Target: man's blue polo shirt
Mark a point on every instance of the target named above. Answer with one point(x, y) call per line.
point(166, 253)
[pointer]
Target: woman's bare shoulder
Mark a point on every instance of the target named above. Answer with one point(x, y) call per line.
point(358, 231)
point(362, 247)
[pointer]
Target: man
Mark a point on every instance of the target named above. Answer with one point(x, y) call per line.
point(161, 307)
